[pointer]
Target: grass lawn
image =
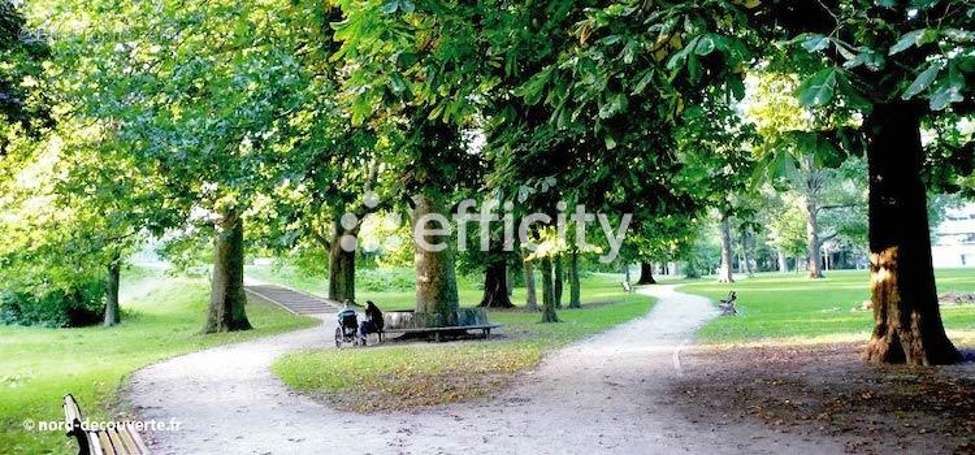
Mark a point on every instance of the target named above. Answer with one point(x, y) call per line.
point(793, 308)
point(162, 317)
point(421, 374)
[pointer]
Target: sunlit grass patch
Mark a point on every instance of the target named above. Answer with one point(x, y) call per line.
point(391, 377)
point(799, 310)
point(162, 318)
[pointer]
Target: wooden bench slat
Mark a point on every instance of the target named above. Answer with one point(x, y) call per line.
point(136, 438)
point(94, 444)
point(127, 442)
point(444, 329)
point(107, 447)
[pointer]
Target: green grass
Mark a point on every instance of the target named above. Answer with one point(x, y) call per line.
point(791, 307)
point(597, 287)
point(423, 374)
point(162, 318)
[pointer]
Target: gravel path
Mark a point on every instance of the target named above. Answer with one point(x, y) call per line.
point(606, 394)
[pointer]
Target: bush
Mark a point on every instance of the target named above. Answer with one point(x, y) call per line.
point(379, 280)
point(83, 305)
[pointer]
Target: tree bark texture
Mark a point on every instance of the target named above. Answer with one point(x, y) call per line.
point(575, 288)
point(436, 282)
point(496, 285)
point(908, 327)
point(559, 280)
point(725, 271)
point(531, 297)
point(227, 298)
point(548, 292)
point(341, 268)
point(112, 311)
point(646, 273)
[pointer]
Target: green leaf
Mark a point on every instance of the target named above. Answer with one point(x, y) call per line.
point(922, 81)
point(705, 45)
point(907, 40)
point(819, 89)
point(923, 4)
point(815, 43)
point(390, 7)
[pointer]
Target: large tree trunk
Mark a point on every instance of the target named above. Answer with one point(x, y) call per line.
point(559, 281)
point(496, 285)
point(227, 298)
point(436, 283)
point(531, 297)
point(783, 261)
point(548, 292)
point(746, 251)
point(575, 297)
point(908, 327)
point(813, 252)
point(725, 272)
point(646, 274)
point(341, 267)
point(112, 311)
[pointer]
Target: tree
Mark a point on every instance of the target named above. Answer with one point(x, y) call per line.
point(207, 100)
point(881, 58)
point(25, 104)
point(901, 65)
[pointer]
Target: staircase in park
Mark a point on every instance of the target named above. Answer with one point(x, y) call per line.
point(294, 301)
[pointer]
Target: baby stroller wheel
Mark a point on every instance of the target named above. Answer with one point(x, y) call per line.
point(338, 337)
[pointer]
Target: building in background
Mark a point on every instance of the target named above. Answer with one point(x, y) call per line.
point(954, 243)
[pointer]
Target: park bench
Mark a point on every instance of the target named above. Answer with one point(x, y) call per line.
point(727, 305)
point(118, 440)
point(437, 331)
point(410, 323)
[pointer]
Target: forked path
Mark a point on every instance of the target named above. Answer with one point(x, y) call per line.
point(606, 394)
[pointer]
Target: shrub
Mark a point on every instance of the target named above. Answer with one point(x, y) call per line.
point(82, 305)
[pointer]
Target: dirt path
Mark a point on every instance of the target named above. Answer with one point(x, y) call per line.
point(607, 394)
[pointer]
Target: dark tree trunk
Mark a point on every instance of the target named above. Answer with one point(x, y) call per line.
point(908, 327)
point(227, 299)
point(548, 292)
point(746, 253)
point(725, 272)
point(531, 297)
point(559, 281)
point(510, 280)
point(646, 274)
point(813, 251)
point(436, 282)
point(341, 267)
point(496, 286)
point(575, 289)
point(112, 312)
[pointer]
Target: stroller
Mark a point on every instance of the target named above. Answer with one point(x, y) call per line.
point(347, 331)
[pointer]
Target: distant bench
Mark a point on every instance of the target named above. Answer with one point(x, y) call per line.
point(118, 440)
point(437, 331)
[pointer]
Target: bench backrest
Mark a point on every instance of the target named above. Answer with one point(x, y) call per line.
point(73, 417)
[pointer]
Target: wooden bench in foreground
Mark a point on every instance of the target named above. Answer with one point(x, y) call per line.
point(119, 440)
point(436, 331)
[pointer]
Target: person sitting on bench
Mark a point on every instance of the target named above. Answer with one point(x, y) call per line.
point(374, 321)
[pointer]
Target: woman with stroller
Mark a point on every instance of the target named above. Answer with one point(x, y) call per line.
point(374, 322)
